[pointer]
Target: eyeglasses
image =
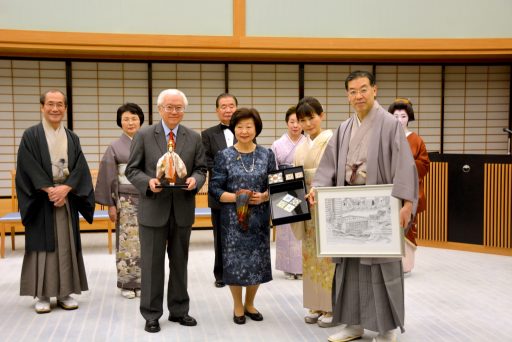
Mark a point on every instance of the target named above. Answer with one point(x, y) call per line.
point(363, 92)
point(170, 109)
point(59, 105)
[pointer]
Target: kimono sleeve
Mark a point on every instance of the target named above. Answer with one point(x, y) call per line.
point(106, 184)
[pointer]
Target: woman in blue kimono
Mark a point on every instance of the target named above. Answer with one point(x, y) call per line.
point(239, 183)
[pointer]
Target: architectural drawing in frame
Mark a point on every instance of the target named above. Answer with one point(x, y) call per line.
point(358, 221)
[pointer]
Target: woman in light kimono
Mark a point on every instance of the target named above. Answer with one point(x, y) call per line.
point(403, 111)
point(115, 191)
point(317, 272)
point(288, 248)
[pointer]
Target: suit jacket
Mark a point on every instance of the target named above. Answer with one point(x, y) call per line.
point(213, 141)
point(148, 145)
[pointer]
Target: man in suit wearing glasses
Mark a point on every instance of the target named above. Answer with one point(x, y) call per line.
point(166, 215)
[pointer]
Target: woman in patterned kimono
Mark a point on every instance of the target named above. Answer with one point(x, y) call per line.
point(241, 172)
point(115, 191)
point(403, 111)
point(288, 248)
point(317, 272)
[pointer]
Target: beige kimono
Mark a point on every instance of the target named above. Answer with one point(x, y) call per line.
point(317, 273)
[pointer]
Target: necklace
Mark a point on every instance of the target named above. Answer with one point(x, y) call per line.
point(251, 169)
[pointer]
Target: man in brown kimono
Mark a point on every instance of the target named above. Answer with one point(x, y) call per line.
point(369, 148)
point(53, 183)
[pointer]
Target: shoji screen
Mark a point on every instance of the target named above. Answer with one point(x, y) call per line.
point(21, 84)
point(327, 84)
point(476, 109)
point(269, 88)
point(98, 90)
point(423, 86)
point(201, 83)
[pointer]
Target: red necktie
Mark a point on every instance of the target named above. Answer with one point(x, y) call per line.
point(171, 140)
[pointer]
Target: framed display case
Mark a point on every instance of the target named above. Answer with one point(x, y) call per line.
point(287, 189)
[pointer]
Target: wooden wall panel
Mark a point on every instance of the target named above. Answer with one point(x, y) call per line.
point(433, 222)
point(241, 48)
point(498, 205)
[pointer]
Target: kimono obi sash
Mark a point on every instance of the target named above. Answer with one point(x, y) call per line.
point(59, 180)
point(121, 177)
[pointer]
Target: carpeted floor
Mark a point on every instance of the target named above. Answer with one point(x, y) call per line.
point(450, 296)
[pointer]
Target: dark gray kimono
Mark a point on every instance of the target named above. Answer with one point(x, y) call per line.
point(34, 172)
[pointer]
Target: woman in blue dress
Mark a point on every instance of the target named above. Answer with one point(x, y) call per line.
point(246, 236)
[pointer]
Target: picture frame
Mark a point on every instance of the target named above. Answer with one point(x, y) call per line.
point(287, 190)
point(358, 221)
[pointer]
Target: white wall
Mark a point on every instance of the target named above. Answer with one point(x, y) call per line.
point(279, 18)
point(380, 18)
point(172, 17)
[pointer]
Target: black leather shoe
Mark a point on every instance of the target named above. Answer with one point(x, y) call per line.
point(184, 320)
point(152, 326)
point(219, 283)
point(254, 316)
point(239, 319)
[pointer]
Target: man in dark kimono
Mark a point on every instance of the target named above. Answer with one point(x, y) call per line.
point(369, 148)
point(53, 184)
point(216, 139)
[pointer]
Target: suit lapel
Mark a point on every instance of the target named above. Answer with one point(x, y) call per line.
point(220, 139)
point(181, 139)
point(160, 138)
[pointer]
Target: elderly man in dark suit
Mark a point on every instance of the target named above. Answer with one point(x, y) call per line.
point(216, 139)
point(166, 215)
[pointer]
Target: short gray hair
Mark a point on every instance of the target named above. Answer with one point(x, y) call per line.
point(171, 92)
point(42, 98)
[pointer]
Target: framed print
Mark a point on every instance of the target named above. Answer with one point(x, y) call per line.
point(287, 189)
point(358, 221)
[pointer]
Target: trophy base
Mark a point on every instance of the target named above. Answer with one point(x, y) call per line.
point(174, 186)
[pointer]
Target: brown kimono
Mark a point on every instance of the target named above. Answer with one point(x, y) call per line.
point(114, 189)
